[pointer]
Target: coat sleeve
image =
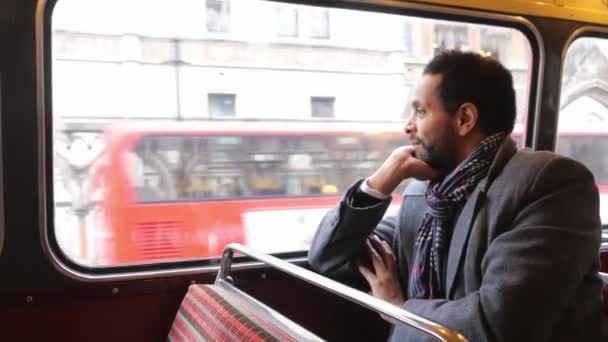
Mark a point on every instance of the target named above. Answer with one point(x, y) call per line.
point(341, 235)
point(530, 272)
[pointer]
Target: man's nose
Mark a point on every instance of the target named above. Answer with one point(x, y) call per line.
point(409, 127)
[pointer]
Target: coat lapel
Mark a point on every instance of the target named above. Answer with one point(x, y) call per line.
point(460, 235)
point(464, 223)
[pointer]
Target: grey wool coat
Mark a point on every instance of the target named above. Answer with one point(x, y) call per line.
point(523, 259)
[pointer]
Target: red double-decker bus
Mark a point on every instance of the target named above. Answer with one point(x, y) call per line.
point(184, 190)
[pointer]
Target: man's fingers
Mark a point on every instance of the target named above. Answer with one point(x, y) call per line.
point(392, 264)
point(377, 261)
point(388, 250)
point(385, 251)
point(366, 272)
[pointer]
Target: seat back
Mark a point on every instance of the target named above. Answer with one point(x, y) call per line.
point(222, 312)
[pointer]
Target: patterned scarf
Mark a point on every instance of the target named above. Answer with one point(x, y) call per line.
point(444, 199)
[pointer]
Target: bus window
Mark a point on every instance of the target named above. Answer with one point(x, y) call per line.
point(179, 168)
point(588, 150)
point(233, 130)
point(583, 116)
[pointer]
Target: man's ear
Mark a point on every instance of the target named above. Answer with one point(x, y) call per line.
point(466, 118)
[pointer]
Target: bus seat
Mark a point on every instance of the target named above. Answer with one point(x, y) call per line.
point(222, 312)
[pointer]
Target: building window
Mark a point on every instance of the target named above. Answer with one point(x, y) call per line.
point(322, 107)
point(450, 37)
point(495, 43)
point(218, 15)
point(222, 105)
point(287, 21)
point(319, 23)
point(407, 37)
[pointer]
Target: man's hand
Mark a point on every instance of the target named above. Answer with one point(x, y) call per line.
point(400, 165)
point(384, 282)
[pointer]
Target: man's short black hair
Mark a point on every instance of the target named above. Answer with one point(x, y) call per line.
point(483, 81)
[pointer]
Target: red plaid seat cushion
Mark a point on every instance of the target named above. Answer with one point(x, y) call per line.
point(223, 313)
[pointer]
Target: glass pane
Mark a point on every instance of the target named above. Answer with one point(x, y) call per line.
point(322, 107)
point(319, 18)
point(583, 116)
point(451, 37)
point(222, 105)
point(287, 20)
point(174, 139)
point(218, 15)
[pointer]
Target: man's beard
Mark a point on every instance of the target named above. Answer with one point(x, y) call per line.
point(437, 154)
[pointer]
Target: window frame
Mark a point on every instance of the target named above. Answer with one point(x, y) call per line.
point(587, 31)
point(43, 57)
point(316, 13)
point(296, 24)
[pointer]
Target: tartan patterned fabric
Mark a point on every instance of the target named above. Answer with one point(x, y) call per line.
point(210, 313)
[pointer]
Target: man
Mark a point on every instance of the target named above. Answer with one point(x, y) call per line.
point(497, 244)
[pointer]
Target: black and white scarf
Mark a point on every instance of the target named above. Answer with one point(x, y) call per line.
point(444, 199)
